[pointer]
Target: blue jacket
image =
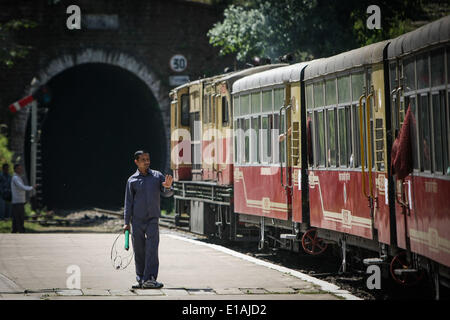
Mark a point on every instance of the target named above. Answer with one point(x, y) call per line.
point(142, 196)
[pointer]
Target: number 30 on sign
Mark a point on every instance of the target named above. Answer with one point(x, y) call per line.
point(178, 63)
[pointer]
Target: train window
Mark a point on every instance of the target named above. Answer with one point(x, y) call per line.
point(275, 130)
point(412, 104)
point(196, 151)
point(357, 86)
point(225, 118)
point(331, 138)
point(309, 93)
point(437, 67)
point(318, 94)
point(440, 133)
point(393, 76)
point(278, 99)
point(409, 74)
point(320, 139)
point(425, 133)
point(175, 114)
point(267, 101)
point(422, 71)
point(208, 118)
point(245, 105)
point(344, 89)
point(437, 125)
point(212, 118)
point(343, 137)
point(236, 105)
point(330, 92)
point(256, 103)
point(265, 139)
point(247, 140)
point(241, 141)
point(255, 140)
point(355, 158)
point(185, 110)
point(204, 108)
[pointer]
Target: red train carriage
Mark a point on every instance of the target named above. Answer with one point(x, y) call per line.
point(264, 106)
point(202, 152)
point(419, 67)
point(348, 174)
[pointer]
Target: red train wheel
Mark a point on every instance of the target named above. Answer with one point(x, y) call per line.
point(408, 278)
point(312, 244)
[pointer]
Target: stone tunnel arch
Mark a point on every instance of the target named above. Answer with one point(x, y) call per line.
point(74, 133)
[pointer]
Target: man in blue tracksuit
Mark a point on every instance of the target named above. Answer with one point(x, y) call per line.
point(142, 210)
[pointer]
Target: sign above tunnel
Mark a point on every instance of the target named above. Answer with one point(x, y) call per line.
point(178, 63)
point(178, 80)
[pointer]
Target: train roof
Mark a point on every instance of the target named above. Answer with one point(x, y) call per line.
point(367, 55)
point(288, 73)
point(430, 34)
point(233, 76)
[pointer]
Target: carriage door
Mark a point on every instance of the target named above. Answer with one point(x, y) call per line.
point(217, 127)
point(285, 145)
point(196, 132)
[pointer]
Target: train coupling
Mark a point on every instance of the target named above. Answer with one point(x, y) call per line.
point(376, 261)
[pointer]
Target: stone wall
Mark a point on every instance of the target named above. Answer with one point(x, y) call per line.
point(145, 35)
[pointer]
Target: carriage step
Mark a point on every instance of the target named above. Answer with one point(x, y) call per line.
point(370, 261)
point(400, 272)
point(288, 236)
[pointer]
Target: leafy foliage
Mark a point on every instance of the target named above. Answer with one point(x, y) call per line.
point(242, 32)
point(5, 153)
point(309, 28)
point(10, 50)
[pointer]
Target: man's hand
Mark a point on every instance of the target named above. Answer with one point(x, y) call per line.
point(168, 183)
point(126, 227)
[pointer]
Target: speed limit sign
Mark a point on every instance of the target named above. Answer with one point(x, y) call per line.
point(178, 63)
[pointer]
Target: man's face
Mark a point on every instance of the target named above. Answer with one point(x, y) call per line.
point(19, 170)
point(143, 162)
point(6, 169)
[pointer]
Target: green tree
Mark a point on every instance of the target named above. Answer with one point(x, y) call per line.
point(242, 32)
point(5, 153)
point(310, 28)
point(10, 50)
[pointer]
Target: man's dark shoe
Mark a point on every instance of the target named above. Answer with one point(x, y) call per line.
point(137, 285)
point(152, 284)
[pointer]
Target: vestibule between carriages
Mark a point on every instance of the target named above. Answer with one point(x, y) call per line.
point(98, 117)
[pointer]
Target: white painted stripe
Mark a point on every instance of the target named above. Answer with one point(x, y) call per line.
point(17, 106)
point(325, 286)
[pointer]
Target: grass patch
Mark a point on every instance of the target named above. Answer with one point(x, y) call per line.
point(30, 227)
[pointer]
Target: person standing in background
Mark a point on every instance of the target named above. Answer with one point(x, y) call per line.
point(18, 190)
point(5, 192)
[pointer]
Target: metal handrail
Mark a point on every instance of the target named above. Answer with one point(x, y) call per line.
point(279, 149)
point(289, 183)
point(361, 139)
point(369, 143)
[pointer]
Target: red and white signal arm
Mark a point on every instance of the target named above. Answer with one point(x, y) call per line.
point(178, 63)
point(22, 103)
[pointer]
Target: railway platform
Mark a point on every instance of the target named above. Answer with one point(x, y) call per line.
point(41, 267)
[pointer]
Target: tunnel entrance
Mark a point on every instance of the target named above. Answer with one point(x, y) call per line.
point(99, 116)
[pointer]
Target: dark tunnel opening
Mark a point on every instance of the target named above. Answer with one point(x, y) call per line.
point(98, 117)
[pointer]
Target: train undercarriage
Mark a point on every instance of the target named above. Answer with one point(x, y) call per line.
point(208, 207)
